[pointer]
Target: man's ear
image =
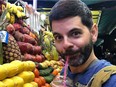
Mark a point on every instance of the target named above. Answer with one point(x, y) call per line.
point(94, 33)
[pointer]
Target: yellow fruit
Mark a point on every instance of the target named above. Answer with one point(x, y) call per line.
point(19, 64)
point(47, 41)
point(48, 62)
point(8, 15)
point(31, 65)
point(11, 69)
point(8, 5)
point(54, 53)
point(34, 84)
point(3, 72)
point(25, 66)
point(22, 14)
point(18, 81)
point(27, 85)
point(48, 56)
point(2, 84)
point(27, 76)
point(3, 7)
point(14, 8)
point(9, 83)
point(12, 18)
point(19, 8)
point(18, 14)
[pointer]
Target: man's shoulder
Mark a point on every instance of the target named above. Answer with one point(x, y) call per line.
point(111, 81)
point(106, 77)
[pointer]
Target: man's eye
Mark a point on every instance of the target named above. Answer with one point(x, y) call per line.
point(75, 34)
point(58, 38)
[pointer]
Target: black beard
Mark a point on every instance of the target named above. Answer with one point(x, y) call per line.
point(82, 55)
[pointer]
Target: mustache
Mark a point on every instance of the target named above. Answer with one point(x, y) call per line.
point(69, 52)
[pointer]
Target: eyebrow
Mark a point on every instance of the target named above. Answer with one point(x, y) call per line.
point(73, 29)
point(55, 33)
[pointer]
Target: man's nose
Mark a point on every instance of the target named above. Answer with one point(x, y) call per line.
point(67, 43)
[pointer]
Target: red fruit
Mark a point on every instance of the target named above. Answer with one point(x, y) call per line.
point(43, 57)
point(28, 57)
point(38, 58)
point(22, 46)
point(37, 49)
point(17, 26)
point(18, 36)
point(26, 47)
point(29, 39)
point(25, 30)
point(10, 28)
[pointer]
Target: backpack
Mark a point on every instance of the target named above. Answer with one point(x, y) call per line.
point(103, 75)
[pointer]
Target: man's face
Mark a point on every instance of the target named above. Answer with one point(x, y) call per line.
point(73, 40)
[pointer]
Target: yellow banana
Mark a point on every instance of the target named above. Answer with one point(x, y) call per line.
point(12, 18)
point(19, 8)
point(18, 14)
point(3, 7)
point(8, 5)
point(14, 8)
point(8, 15)
point(22, 14)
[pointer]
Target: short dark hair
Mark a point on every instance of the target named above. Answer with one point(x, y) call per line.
point(71, 8)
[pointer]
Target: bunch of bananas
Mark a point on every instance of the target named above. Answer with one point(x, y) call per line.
point(13, 10)
point(49, 49)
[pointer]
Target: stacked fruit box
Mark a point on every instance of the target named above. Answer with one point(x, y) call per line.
point(14, 75)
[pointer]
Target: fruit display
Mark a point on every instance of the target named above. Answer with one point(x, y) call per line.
point(14, 75)
point(49, 49)
point(46, 71)
point(29, 59)
point(22, 40)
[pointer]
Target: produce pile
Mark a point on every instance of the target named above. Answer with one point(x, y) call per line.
point(14, 75)
point(29, 59)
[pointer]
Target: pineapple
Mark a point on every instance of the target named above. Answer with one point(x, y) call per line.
point(11, 50)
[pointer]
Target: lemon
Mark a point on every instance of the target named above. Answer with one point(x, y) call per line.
point(9, 83)
point(27, 85)
point(2, 84)
point(3, 72)
point(19, 64)
point(12, 69)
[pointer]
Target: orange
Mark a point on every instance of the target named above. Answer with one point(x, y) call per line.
point(42, 80)
point(38, 81)
point(36, 72)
